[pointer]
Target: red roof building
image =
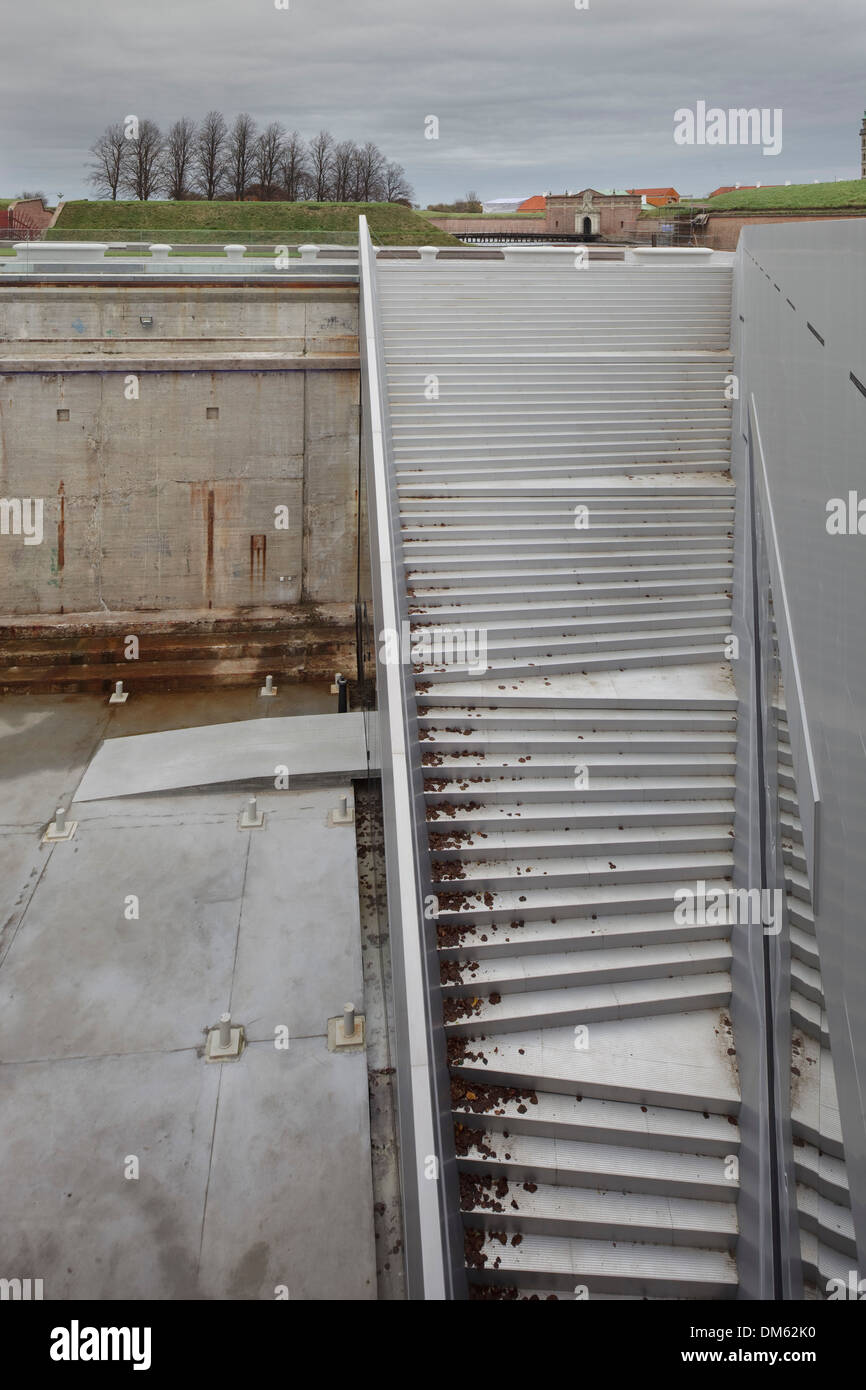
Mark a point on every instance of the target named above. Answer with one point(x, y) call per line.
point(538, 203)
point(657, 197)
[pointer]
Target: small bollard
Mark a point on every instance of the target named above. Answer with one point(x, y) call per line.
point(119, 695)
point(309, 251)
point(268, 689)
point(251, 816)
point(349, 1032)
point(428, 253)
point(225, 1041)
point(60, 828)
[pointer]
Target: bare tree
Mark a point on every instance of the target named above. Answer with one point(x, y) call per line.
point(142, 174)
point(395, 186)
point(177, 159)
point(294, 168)
point(241, 151)
point(321, 149)
point(209, 160)
point(370, 168)
point(110, 157)
point(268, 153)
point(343, 171)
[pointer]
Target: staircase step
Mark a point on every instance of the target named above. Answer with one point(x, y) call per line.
point(582, 1213)
point(512, 974)
point(670, 1060)
point(590, 1120)
point(458, 907)
point(518, 843)
point(545, 936)
point(824, 1173)
point(535, 817)
point(616, 1168)
point(638, 1268)
point(593, 1003)
point(831, 1223)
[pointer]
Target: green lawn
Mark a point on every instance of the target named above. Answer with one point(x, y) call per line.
point(390, 223)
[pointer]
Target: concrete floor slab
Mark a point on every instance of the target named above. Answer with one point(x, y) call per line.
point(312, 969)
point(252, 1173)
point(289, 1199)
point(81, 980)
point(67, 1213)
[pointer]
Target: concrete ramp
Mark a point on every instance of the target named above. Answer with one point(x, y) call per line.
point(320, 746)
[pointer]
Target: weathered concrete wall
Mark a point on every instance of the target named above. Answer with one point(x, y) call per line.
point(722, 231)
point(162, 451)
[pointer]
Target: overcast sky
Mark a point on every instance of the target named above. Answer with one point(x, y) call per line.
point(531, 95)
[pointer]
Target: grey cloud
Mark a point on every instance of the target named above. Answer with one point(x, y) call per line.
point(530, 94)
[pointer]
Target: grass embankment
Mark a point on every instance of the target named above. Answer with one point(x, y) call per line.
point(794, 197)
point(217, 223)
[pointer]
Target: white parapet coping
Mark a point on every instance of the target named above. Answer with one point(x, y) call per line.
point(671, 255)
point(164, 258)
point(40, 251)
point(547, 255)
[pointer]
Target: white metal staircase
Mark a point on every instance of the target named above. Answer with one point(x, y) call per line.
point(561, 445)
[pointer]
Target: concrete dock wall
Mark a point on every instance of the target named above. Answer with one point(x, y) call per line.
point(194, 447)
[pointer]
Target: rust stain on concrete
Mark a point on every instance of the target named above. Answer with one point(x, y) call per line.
point(61, 528)
point(258, 559)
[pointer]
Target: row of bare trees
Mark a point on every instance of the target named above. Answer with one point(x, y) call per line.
point(211, 159)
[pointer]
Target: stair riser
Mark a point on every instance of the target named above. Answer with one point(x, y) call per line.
point(675, 656)
point(591, 745)
point(554, 1018)
point(513, 942)
point(559, 789)
point(709, 1190)
point(670, 1141)
point(555, 875)
point(656, 1233)
point(582, 902)
point(584, 974)
point(719, 842)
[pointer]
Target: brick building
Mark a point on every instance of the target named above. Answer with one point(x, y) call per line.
point(593, 214)
point(24, 218)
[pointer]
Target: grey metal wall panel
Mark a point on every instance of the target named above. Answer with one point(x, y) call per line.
point(801, 341)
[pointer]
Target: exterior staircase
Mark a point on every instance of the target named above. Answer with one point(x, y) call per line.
point(561, 441)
